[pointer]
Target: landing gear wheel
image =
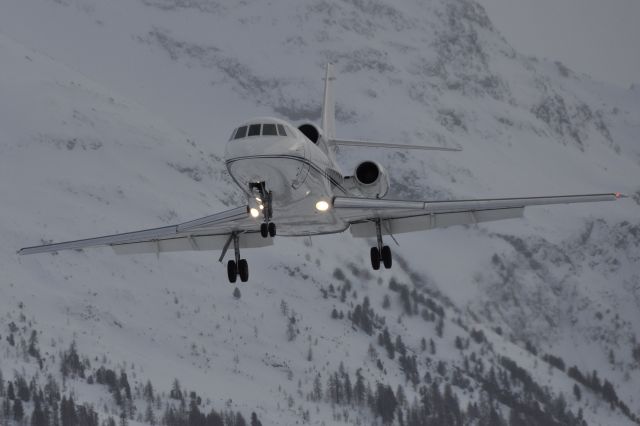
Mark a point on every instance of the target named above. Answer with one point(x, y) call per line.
point(375, 258)
point(272, 229)
point(386, 257)
point(243, 270)
point(232, 270)
point(264, 230)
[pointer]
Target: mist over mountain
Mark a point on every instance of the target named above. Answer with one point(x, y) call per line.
point(114, 116)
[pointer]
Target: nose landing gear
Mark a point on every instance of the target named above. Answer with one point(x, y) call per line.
point(381, 252)
point(259, 189)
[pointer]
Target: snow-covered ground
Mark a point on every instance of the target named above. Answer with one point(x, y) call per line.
point(114, 115)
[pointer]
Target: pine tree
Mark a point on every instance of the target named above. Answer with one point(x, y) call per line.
point(577, 392)
point(6, 409)
point(317, 389)
point(37, 417)
point(149, 415)
point(10, 392)
point(1, 385)
point(359, 389)
point(124, 384)
point(148, 392)
point(400, 348)
point(18, 410)
point(254, 420)
point(240, 421)
point(291, 330)
point(386, 403)
point(386, 302)
point(440, 327)
point(348, 390)
point(175, 392)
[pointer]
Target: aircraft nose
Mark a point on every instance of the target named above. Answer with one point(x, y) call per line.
point(262, 146)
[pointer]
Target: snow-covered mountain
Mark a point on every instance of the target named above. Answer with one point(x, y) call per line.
point(113, 117)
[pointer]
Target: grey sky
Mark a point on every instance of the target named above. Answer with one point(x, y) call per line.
point(597, 37)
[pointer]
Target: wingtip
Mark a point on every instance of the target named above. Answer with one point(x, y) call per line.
point(620, 195)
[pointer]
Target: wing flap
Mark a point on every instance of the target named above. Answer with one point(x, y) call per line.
point(191, 243)
point(424, 222)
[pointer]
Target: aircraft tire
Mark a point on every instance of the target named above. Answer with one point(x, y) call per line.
point(232, 271)
point(375, 258)
point(243, 270)
point(264, 230)
point(272, 229)
point(386, 257)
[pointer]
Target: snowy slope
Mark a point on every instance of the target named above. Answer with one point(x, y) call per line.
point(79, 159)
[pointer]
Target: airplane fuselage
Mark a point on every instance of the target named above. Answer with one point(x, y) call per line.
point(297, 172)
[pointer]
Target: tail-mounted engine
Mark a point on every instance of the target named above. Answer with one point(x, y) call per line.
point(371, 179)
point(311, 132)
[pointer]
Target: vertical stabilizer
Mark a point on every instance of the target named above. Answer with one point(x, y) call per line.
point(328, 105)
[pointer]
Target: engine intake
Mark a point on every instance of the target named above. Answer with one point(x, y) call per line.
point(371, 179)
point(311, 132)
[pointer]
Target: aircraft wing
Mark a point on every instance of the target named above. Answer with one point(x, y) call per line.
point(399, 216)
point(207, 233)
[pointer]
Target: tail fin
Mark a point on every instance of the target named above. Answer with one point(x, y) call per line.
point(328, 105)
point(329, 125)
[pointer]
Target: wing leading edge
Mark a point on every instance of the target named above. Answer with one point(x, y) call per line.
point(400, 216)
point(207, 233)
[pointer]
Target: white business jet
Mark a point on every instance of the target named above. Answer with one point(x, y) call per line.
point(292, 181)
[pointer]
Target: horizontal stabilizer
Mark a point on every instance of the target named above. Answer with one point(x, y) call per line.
point(349, 142)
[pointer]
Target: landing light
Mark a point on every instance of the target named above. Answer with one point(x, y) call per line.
point(322, 206)
point(254, 212)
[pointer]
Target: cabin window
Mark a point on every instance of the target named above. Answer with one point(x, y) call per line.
point(281, 130)
point(254, 130)
point(269, 130)
point(241, 132)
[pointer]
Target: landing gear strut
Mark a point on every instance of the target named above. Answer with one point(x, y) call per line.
point(267, 228)
point(381, 252)
point(238, 266)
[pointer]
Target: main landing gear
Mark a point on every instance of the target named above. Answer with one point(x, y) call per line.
point(267, 228)
point(381, 252)
point(237, 267)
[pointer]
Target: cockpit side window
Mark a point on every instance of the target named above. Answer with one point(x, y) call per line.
point(241, 132)
point(254, 130)
point(269, 130)
point(281, 130)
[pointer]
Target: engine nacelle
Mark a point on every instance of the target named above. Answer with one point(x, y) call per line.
point(311, 132)
point(371, 179)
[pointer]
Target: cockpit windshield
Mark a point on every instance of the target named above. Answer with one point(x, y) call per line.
point(267, 129)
